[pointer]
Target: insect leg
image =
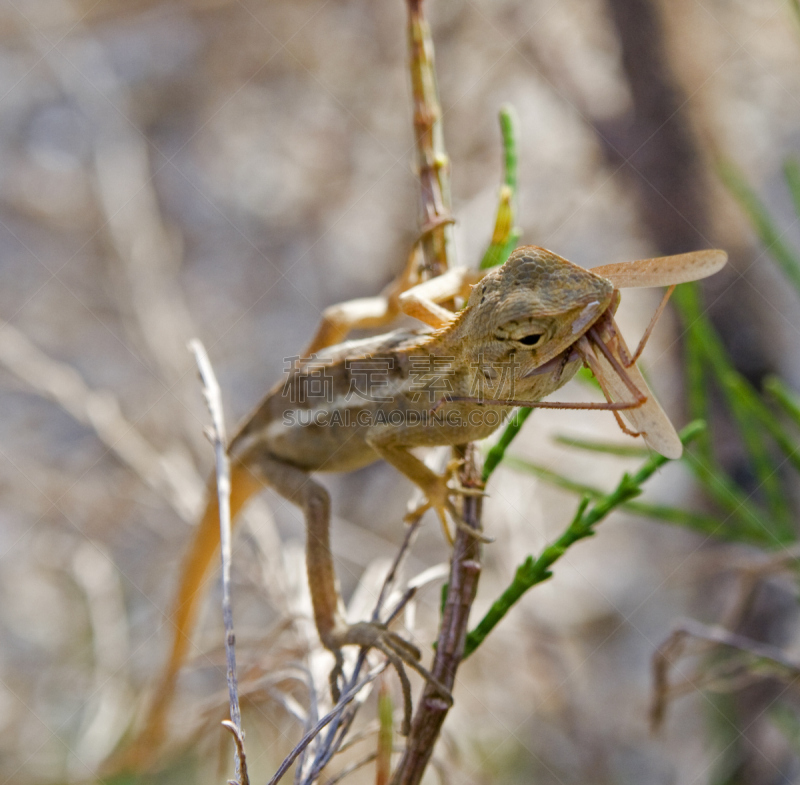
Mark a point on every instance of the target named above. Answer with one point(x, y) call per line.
point(617, 382)
point(595, 339)
point(656, 316)
point(422, 301)
point(338, 320)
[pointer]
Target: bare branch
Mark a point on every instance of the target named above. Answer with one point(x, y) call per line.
point(432, 161)
point(335, 737)
point(464, 573)
point(213, 398)
point(674, 647)
point(336, 712)
point(238, 739)
point(465, 564)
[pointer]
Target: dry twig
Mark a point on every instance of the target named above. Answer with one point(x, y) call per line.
point(340, 719)
point(346, 698)
point(213, 398)
point(464, 573)
point(750, 576)
point(710, 636)
point(432, 161)
point(465, 564)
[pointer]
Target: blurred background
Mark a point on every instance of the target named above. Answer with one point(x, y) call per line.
point(227, 169)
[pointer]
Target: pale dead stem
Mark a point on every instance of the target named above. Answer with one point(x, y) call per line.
point(218, 438)
point(171, 475)
point(328, 735)
point(758, 660)
point(110, 706)
point(730, 673)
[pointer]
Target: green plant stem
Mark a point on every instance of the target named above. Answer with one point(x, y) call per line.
point(755, 421)
point(706, 524)
point(609, 448)
point(585, 376)
point(787, 398)
point(706, 355)
point(498, 450)
point(505, 234)
point(686, 299)
point(383, 761)
point(535, 570)
point(791, 173)
point(762, 221)
point(508, 128)
point(746, 522)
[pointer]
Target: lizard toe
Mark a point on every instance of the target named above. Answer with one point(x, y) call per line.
point(397, 650)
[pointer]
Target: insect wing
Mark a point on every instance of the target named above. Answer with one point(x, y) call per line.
point(663, 270)
point(649, 419)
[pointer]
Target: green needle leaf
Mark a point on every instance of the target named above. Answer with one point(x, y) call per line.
point(535, 570)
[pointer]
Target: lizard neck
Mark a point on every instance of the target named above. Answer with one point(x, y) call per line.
point(450, 341)
point(443, 358)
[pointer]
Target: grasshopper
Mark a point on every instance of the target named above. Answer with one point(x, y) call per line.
point(525, 330)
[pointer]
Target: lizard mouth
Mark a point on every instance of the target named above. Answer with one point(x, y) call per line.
point(559, 362)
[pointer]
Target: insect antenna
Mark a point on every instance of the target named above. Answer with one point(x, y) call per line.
point(607, 406)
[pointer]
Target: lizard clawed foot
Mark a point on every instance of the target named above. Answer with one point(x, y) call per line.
point(399, 652)
point(438, 498)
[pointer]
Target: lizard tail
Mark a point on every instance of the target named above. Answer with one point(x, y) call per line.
point(183, 616)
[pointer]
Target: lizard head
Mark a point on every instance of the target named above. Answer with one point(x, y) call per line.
point(531, 309)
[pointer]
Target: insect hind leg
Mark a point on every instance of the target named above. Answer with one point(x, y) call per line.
point(624, 428)
point(629, 361)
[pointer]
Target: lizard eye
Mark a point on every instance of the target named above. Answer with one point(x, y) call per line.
point(532, 339)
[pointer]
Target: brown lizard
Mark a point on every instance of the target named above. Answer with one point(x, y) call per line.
point(526, 328)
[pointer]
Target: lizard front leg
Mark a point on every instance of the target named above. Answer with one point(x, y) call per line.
point(438, 488)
